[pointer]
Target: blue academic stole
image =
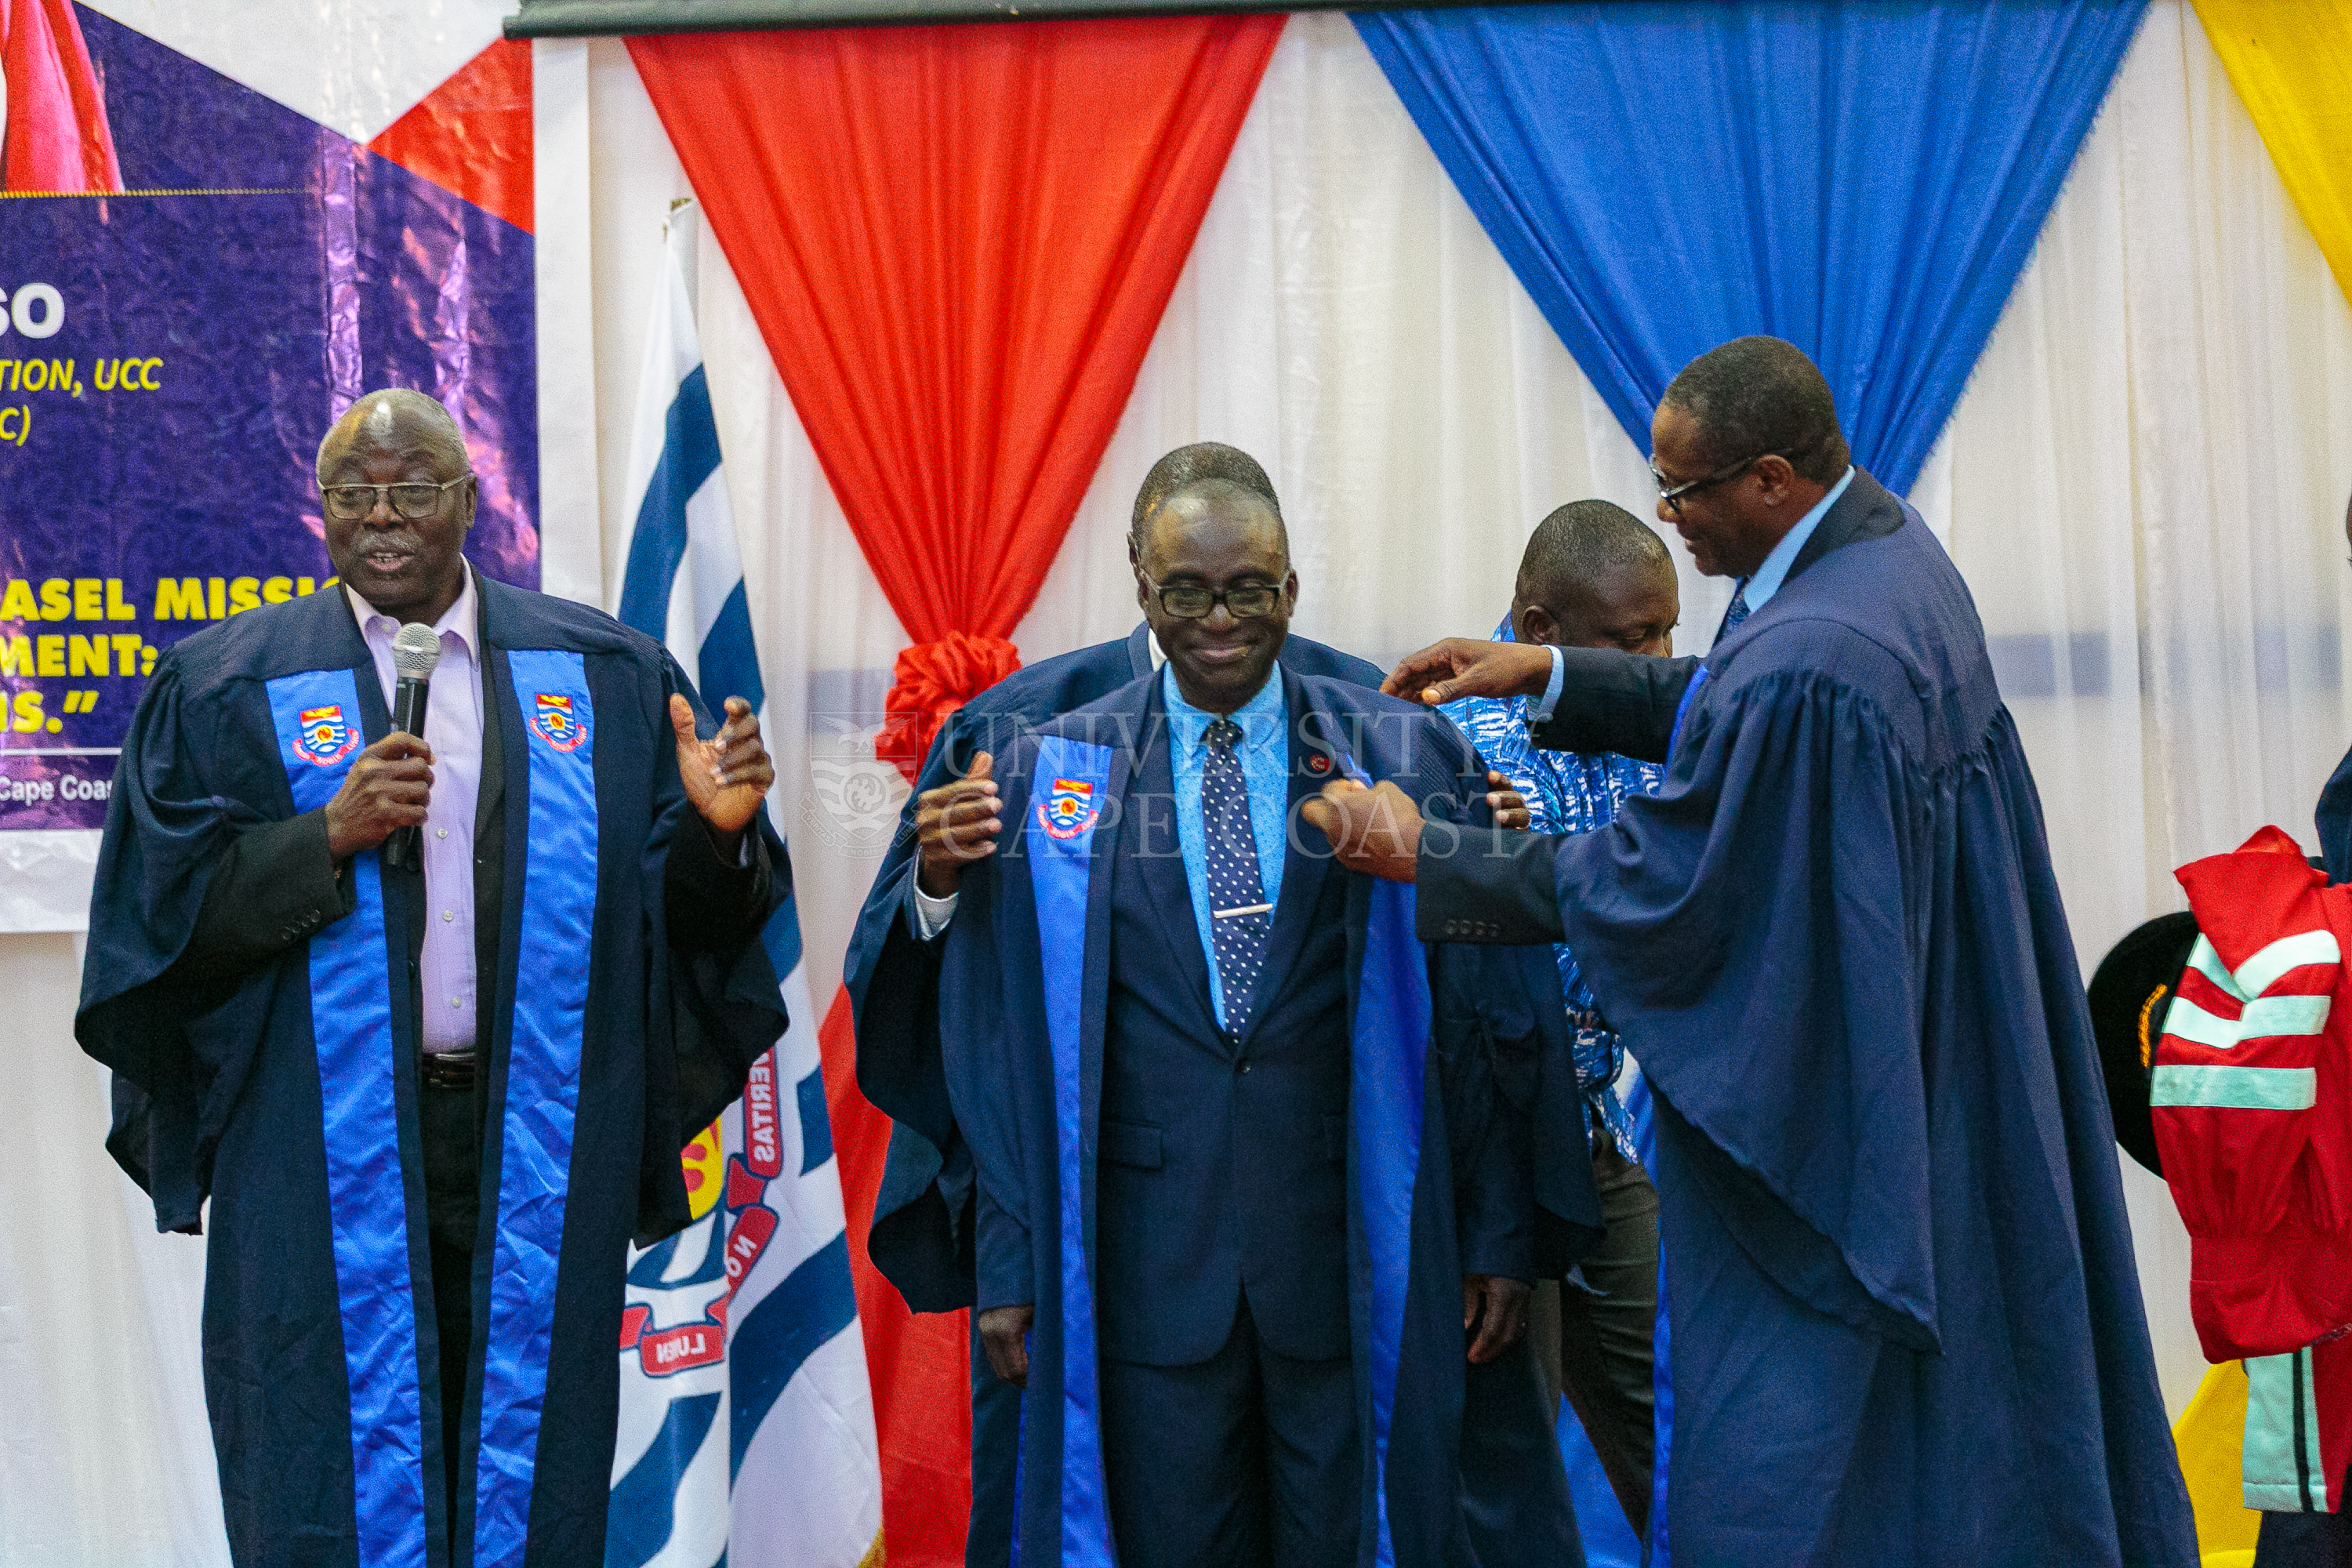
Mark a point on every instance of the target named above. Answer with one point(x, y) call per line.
point(1389, 1050)
point(1075, 779)
point(316, 715)
point(1683, 708)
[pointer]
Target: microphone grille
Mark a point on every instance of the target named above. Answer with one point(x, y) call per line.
point(416, 649)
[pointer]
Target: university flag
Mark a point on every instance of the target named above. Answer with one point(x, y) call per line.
point(747, 1423)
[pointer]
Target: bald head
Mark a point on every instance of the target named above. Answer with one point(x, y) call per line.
point(397, 497)
point(1201, 463)
point(401, 419)
point(1582, 542)
point(1594, 575)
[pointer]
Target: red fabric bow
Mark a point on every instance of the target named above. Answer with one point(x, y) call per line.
point(931, 681)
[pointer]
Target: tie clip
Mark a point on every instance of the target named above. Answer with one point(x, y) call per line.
point(1244, 909)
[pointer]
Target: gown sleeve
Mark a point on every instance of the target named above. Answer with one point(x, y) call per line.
point(716, 984)
point(1611, 701)
point(2236, 1101)
point(893, 977)
point(176, 1032)
point(994, 1048)
point(1736, 929)
point(1523, 1168)
point(921, 1235)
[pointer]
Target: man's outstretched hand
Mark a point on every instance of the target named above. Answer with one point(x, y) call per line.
point(1375, 831)
point(1461, 668)
point(727, 776)
point(1004, 1335)
point(1498, 1307)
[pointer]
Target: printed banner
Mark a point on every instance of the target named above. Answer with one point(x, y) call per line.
point(172, 350)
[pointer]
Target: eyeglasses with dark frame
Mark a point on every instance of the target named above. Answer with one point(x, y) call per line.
point(1673, 494)
point(413, 503)
point(1191, 602)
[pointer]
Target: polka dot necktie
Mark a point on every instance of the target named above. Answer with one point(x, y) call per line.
point(1239, 916)
point(1735, 613)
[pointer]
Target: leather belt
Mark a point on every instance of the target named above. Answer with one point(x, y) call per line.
point(447, 1069)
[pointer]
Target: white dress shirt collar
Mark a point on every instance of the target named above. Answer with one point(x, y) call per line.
point(459, 619)
point(1769, 577)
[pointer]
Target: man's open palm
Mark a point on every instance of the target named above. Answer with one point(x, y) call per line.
point(728, 775)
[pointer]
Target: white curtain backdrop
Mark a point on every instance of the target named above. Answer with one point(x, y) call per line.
point(2144, 484)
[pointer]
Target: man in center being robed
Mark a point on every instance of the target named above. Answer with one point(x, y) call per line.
point(922, 1215)
point(1255, 1215)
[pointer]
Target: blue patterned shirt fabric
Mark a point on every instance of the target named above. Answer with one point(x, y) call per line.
point(1567, 791)
point(1265, 752)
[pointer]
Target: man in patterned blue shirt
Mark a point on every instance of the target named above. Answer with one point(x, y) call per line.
point(1593, 576)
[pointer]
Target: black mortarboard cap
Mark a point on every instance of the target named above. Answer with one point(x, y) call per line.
point(2134, 984)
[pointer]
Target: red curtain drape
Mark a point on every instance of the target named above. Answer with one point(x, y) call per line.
point(958, 242)
point(56, 137)
point(920, 1367)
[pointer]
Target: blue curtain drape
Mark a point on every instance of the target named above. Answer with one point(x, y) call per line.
point(1865, 180)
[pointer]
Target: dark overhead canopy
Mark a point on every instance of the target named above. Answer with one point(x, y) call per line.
point(607, 18)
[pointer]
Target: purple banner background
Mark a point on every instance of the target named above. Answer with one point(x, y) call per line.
point(298, 270)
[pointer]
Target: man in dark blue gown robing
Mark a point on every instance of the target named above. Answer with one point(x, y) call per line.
point(1906, 1317)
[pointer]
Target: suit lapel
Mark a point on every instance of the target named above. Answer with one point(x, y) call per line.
point(1302, 874)
point(1149, 849)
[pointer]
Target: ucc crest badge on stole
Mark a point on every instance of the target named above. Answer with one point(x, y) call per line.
point(555, 722)
point(325, 736)
point(1069, 809)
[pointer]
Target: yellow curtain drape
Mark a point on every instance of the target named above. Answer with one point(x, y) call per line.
point(2289, 60)
point(2210, 1437)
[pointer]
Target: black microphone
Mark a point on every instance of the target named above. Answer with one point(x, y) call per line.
point(416, 649)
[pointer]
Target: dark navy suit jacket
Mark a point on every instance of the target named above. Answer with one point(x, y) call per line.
point(1222, 1166)
point(893, 979)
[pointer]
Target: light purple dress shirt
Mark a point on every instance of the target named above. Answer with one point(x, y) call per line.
point(453, 728)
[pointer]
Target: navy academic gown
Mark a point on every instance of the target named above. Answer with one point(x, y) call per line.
point(893, 983)
point(2334, 821)
point(1460, 1465)
point(287, 1094)
point(1905, 1317)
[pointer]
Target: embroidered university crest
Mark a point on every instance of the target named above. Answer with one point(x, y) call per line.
point(326, 737)
point(555, 722)
point(1069, 809)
